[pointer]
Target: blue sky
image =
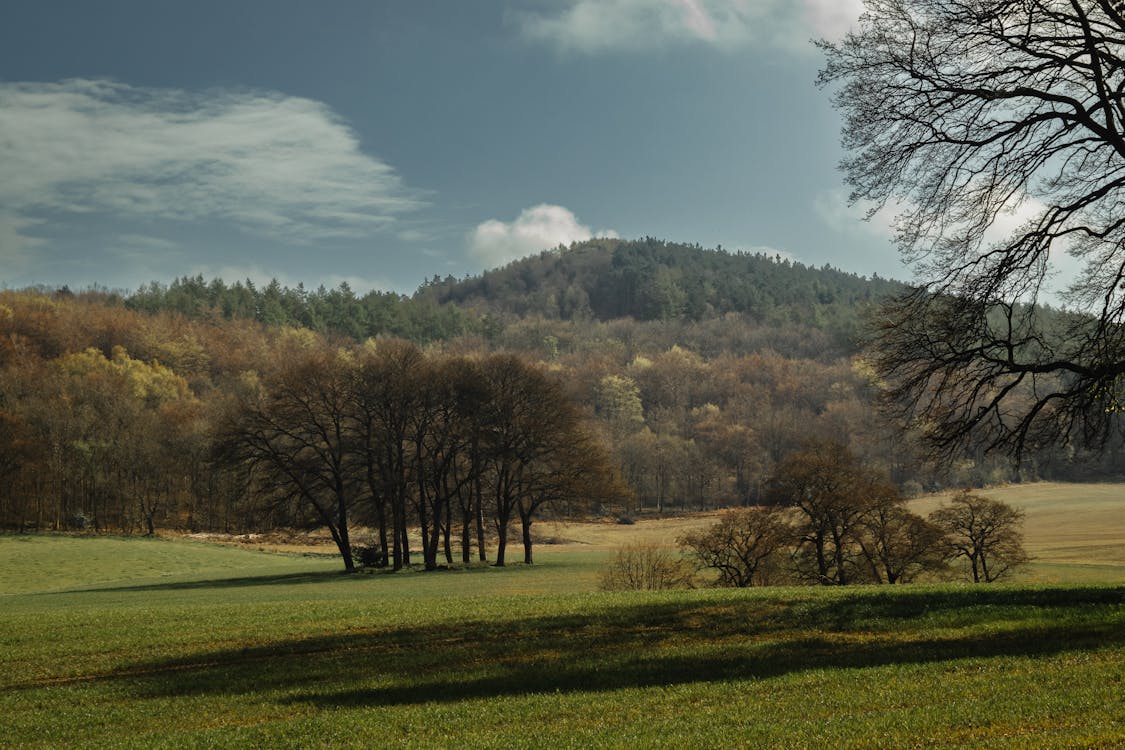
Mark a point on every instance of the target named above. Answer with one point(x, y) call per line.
point(381, 143)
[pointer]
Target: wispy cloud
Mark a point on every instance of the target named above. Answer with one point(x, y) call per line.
point(833, 208)
point(541, 227)
point(595, 26)
point(274, 165)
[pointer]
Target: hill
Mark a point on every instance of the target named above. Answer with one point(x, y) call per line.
point(657, 280)
point(601, 280)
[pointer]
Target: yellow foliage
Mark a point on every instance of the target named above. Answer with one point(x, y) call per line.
point(299, 338)
point(152, 383)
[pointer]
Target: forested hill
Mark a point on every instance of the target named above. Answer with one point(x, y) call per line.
point(670, 291)
point(652, 279)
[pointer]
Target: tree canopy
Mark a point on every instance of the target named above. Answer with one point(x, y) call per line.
point(964, 116)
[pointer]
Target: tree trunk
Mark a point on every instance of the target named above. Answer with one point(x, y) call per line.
point(482, 551)
point(399, 523)
point(525, 522)
point(381, 520)
point(445, 530)
point(501, 540)
point(466, 537)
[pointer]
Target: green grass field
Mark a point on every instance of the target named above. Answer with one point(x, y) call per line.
point(108, 642)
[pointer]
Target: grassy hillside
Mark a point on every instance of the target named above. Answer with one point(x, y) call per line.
point(139, 643)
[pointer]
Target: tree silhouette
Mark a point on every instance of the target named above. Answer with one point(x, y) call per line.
point(956, 115)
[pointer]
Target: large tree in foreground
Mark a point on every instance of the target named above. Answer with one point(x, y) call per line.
point(961, 114)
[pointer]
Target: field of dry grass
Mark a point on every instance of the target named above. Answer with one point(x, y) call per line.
point(1076, 532)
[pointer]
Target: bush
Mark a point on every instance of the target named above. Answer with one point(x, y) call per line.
point(643, 566)
point(370, 557)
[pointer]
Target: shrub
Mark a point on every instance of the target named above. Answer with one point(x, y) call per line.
point(644, 566)
point(370, 556)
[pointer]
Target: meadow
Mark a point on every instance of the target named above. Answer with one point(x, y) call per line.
point(131, 642)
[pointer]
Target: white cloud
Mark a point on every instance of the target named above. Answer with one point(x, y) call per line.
point(146, 242)
point(831, 19)
point(1064, 269)
point(603, 25)
point(832, 207)
point(541, 227)
point(593, 26)
point(414, 235)
point(834, 210)
point(274, 165)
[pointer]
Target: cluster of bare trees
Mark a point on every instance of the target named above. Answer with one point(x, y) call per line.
point(385, 435)
point(834, 521)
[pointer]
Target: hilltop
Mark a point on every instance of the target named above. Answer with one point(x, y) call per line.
point(656, 280)
point(597, 281)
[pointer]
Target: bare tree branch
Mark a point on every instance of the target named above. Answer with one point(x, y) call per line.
point(957, 113)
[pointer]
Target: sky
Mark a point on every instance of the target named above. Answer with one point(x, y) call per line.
point(381, 143)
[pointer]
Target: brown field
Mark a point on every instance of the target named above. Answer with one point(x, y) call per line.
point(1076, 532)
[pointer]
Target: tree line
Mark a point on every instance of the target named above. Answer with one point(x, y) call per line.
point(829, 519)
point(108, 415)
point(257, 427)
point(649, 279)
point(337, 312)
point(644, 280)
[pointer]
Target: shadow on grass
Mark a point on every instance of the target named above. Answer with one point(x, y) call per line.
point(287, 579)
point(627, 646)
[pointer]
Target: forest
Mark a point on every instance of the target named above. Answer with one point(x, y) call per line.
point(607, 378)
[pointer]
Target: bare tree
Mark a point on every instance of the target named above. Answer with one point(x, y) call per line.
point(536, 450)
point(296, 431)
point(986, 532)
point(383, 394)
point(743, 546)
point(900, 545)
point(958, 114)
point(834, 494)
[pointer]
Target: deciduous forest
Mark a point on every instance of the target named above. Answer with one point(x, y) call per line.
point(610, 377)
